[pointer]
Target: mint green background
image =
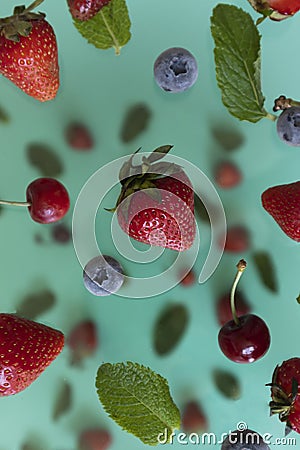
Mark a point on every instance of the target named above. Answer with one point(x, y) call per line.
point(98, 87)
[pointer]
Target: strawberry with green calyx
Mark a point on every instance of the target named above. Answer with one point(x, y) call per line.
point(275, 9)
point(285, 394)
point(27, 348)
point(28, 52)
point(156, 203)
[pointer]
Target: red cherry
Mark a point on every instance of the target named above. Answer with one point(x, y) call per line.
point(94, 439)
point(223, 310)
point(244, 339)
point(49, 200)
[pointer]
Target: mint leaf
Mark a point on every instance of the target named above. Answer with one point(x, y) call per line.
point(237, 60)
point(138, 399)
point(266, 270)
point(170, 327)
point(109, 28)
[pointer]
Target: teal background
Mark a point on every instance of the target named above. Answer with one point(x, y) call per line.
point(98, 87)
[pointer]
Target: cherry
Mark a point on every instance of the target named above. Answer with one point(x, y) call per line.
point(47, 200)
point(243, 339)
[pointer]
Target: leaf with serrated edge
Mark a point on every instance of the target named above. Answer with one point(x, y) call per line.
point(266, 270)
point(110, 27)
point(138, 400)
point(237, 60)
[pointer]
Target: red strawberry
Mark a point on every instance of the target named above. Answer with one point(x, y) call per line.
point(187, 279)
point(227, 175)
point(285, 393)
point(85, 9)
point(276, 9)
point(160, 210)
point(193, 418)
point(223, 308)
point(94, 439)
point(82, 340)
point(283, 204)
point(28, 53)
point(237, 239)
point(26, 349)
point(78, 136)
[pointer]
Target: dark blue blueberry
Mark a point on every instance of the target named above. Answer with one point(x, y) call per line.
point(103, 275)
point(288, 126)
point(175, 70)
point(244, 440)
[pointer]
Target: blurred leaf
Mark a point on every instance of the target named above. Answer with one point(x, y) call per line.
point(63, 401)
point(138, 400)
point(169, 328)
point(227, 383)
point(228, 138)
point(201, 210)
point(44, 159)
point(110, 27)
point(4, 117)
point(298, 299)
point(136, 121)
point(266, 270)
point(36, 304)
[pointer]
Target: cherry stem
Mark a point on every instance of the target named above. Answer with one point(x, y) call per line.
point(4, 202)
point(241, 266)
point(34, 5)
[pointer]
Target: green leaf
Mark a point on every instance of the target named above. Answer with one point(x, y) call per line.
point(227, 383)
point(44, 159)
point(237, 60)
point(3, 116)
point(135, 122)
point(63, 401)
point(169, 328)
point(138, 400)
point(109, 28)
point(36, 304)
point(266, 270)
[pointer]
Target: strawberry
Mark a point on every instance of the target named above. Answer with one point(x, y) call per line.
point(237, 239)
point(78, 136)
point(276, 9)
point(227, 175)
point(193, 418)
point(285, 393)
point(94, 439)
point(26, 349)
point(85, 9)
point(82, 340)
point(156, 204)
point(28, 53)
point(282, 202)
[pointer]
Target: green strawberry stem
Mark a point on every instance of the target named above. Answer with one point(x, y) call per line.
point(241, 266)
point(271, 117)
point(5, 202)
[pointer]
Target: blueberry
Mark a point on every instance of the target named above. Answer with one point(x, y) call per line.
point(103, 275)
point(244, 440)
point(288, 126)
point(175, 70)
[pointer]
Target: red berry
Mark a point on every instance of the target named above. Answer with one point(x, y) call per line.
point(283, 204)
point(193, 418)
point(237, 239)
point(246, 338)
point(78, 136)
point(82, 340)
point(26, 349)
point(227, 175)
point(288, 7)
point(187, 279)
point(49, 200)
point(285, 393)
point(223, 310)
point(30, 62)
point(245, 342)
point(160, 210)
point(94, 439)
point(85, 9)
